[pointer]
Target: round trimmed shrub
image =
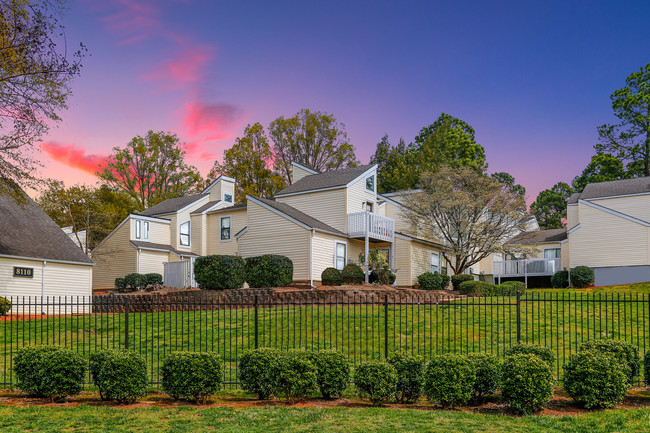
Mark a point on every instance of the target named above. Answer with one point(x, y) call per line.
point(332, 372)
point(527, 383)
point(377, 380)
point(449, 380)
point(595, 379)
point(254, 371)
point(269, 270)
point(294, 375)
point(331, 277)
point(219, 272)
point(476, 288)
point(409, 370)
point(352, 274)
point(509, 288)
point(543, 353)
point(457, 279)
point(153, 279)
point(120, 284)
point(382, 276)
point(581, 277)
point(192, 375)
point(624, 352)
point(5, 306)
point(120, 375)
point(488, 374)
point(430, 281)
point(560, 280)
point(49, 371)
point(135, 281)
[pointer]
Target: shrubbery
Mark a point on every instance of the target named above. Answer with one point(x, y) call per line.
point(560, 280)
point(5, 306)
point(477, 288)
point(509, 288)
point(49, 371)
point(331, 277)
point(432, 281)
point(544, 353)
point(120, 375)
point(352, 274)
point(269, 270)
point(219, 272)
point(527, 383)
point(135, 281)
point(120, 284)
point(626, 353)
point(332, 372)
point(382, 276)
point(192, 375)
point(153, 279)
point(457, 279)
point(581, 277)
point(595, 379)
point(449, 380)
point(376, 380)
point(488, 373)
point(254, 371)
point(294, 375)
point(409, 370)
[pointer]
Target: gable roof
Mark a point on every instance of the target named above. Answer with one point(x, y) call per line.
point(205, 207)
point(540, 236)
point(297, 215)
point(612, 188)
point(27, 231)
point(573, 198)
point(172, 205)
point(326, 180)
point(228, 209)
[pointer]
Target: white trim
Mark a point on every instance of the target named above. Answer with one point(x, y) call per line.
point(195, 202)
point(362, 175)
point(574, 228)
point(189, 233)
point(40, 259)
point(221, 177)
point(310, 170)
point(551, 248)
point(345, 258)
point(208, 209)
point(241, 233)
point(572, 204)
point(437, 254)
point(614, 196)
point(374, 183)
point(410, 191)
point(221, 217)
point(617, 213)
point(153, 249)
point(232, 197)
point(129, 216)
point(564, 241)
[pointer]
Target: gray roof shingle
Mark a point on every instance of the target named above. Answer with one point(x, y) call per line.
point(205, 207)
point(299, 216)
point(154, 246)
point(228, 209)
point(328, 179)
point(171, 205)
point(551, 235)
point(612, 188)
point(27, 231)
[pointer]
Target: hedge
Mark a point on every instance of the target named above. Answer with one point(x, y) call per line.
point(49, 371)
point(457, 279)
point(377, 380)
point(595, 379)
point(625, 352)
point(581, 277)
point(120, 284)
point(449, 380)
point(509, 288)
point(352, 274)
point(331, 277)
point(527, 383)
point(544, 353)
point(294, 375)
point(332, 372)
point(431, 281)
point(269, 270)
point(382, 276)
point(409, 370)
point(219, 272)
point(560, 280)
point(5, 306)
point(253, 371)
point(488, 374)
point(119, 374)
point(135, 281)
point(192, 375)
point(476, 288)
point(153, 279)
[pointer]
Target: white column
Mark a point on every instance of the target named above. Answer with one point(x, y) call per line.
point(367, 247)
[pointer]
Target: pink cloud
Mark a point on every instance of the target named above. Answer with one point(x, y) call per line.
point(210, 119)
point(134, 20)
point(184, 69)
point(72, 156)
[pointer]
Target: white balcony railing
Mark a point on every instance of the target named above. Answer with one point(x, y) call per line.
point(378, 227)
point(533, 267)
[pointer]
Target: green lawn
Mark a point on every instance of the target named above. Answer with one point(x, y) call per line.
point(283, 419)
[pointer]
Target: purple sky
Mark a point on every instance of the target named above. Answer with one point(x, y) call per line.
point(532, 78)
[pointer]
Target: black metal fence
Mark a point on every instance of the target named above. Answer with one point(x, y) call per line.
point(362, 326)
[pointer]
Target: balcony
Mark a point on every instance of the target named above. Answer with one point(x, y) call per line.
point(527, 268)
point(379, 228)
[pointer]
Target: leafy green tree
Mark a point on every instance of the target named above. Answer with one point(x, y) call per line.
point(314, 139)
point(397, 166)
point(151, 169)
point(550, 206)
point(509, 181)
point(249, 162)
point(629, 139)
point(36, 69)
point(602, 167)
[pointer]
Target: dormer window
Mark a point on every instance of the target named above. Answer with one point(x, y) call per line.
point(142, 230)
point(370, 183)
point(227, 198)
point(185, 234)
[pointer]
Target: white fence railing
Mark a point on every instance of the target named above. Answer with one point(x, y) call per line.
point(519, 268)
point(179, 274)
point(378, 226)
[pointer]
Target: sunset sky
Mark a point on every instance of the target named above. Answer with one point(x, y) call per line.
point(532, 78)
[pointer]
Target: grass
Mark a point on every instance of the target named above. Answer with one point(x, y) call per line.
point(272, 419)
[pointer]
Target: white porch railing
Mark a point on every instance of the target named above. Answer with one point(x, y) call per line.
point(531, 267)
point(179, 274)
point(379, 227)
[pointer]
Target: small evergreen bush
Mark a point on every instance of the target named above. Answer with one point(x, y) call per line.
point(382, 276)
point(120, 375)
point(332, 372)
point(581, 277)
point(449, 380)
point(352, 274)
point(527, 383)
point(595, 379)
point(331, 277)
point(457, 279)
point(135, 281)
point(509, 288)
point(153, 279)
point(430, 281)
point(377, 380)
point(5, 306)
point(476, 288)
point(488, 374)
point(625, 352)
point(560, 280)
point(219, 272)
point(294, 375)
point(192, 375)
point(254, 371)
point(544, 353)
point(120, 284)
point(409, 370)
point(49, 371)
point(269, 270)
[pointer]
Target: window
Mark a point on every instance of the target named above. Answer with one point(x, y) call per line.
point(370, 183)
point(145, 229)
point(435, 263)
point(185, 234)
point(227, 198)
point(552, 253)
point(369, 206)
point(138, 229)
point(340, 256)
point(225, 228)
point(141, 229)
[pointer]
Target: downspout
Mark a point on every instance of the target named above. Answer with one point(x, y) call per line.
point(138, 266)
point(43, 287)
point(311, 258)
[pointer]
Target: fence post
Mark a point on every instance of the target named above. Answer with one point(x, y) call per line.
point(518, 317)
point(256, 323)
point(386, 326)
point(126, 321)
